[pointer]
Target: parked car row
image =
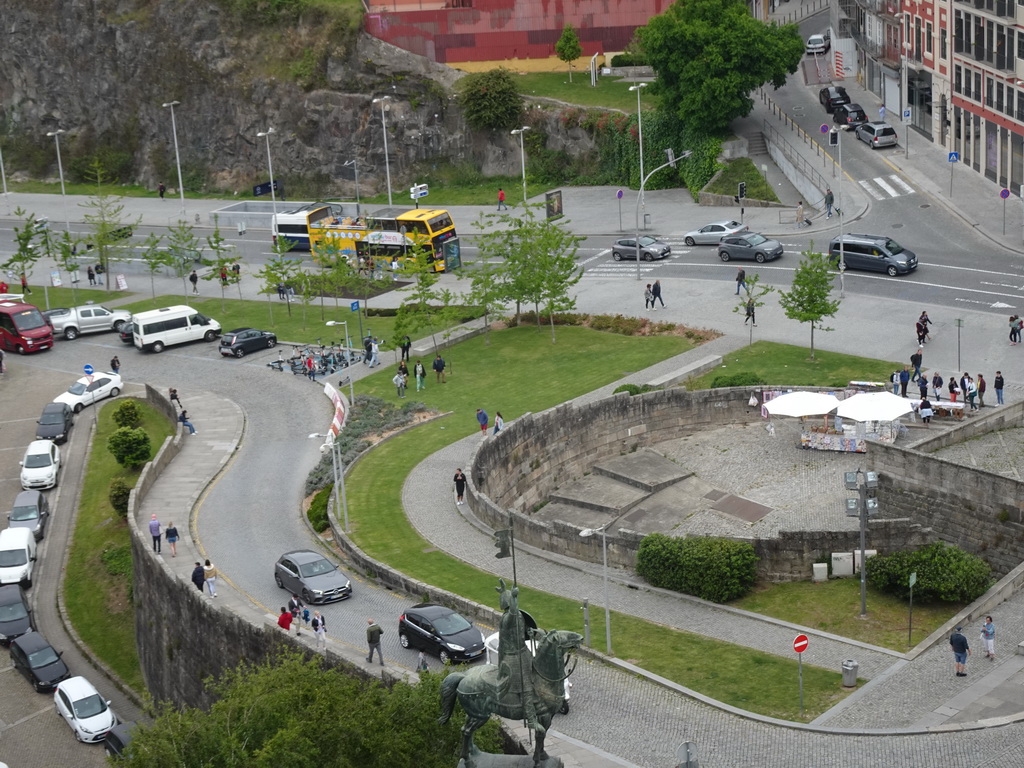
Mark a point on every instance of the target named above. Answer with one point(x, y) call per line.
point(877, 133)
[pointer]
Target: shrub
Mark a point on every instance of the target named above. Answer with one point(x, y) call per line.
point(131, 447)
point(737, 380)
point(714, 569)
point(628, 60)
point(118, 560)
point(118, 495)
point(128, 413)
point(490, 100)
point(317, 513)
point(944, 572)
point(633, 389)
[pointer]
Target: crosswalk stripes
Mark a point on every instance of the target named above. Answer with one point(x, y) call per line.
point(886, 187)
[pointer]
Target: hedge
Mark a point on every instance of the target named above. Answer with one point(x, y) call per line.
point(714, 569)
point(944, 573)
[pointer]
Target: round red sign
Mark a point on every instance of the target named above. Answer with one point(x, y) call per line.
point(800, 643)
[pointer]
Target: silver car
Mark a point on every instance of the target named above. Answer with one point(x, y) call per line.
point(877, 134)
point(311, 576)
point(90, 318)
point(749, 245)
point(650, 249)
point(714, 232)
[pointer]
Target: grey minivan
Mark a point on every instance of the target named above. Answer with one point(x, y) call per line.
point(31, 511)
point(874, 253)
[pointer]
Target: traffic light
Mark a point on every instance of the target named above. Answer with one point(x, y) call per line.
point(742, 190)
point(833, 138)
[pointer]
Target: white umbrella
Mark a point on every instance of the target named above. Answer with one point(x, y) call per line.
point(874, 406)
point(802, 404)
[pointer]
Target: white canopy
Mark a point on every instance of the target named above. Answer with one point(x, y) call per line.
point(802, 404)
point(874, 406)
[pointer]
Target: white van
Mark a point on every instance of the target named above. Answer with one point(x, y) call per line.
point(172, 325)
point(17, 556)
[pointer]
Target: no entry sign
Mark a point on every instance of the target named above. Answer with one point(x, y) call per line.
point(800, 643)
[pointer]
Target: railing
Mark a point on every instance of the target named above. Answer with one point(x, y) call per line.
point(775, 135)
point(802, 11)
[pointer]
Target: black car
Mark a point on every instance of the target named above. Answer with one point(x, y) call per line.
point(38, 662)
point(833, 96)
point(241, 341)
point(850, 115)
point(127, 332)
point(311, 576)
point(116, 742)
point(15, 617)
point(55, 422)
point(441, 631)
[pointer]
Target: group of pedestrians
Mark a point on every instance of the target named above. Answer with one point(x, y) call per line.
point(205, 575)
point(484, 421)
point(170, 532)
point(652, 295)
point(962, 649)
point(183, 416)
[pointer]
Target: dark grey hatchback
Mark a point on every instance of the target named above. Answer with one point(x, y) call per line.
point(242, 341)
point(441, 631)
point(15, 617)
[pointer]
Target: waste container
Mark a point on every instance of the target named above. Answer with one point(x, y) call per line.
point(850, 668)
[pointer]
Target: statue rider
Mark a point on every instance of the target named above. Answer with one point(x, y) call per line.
point(515, 660)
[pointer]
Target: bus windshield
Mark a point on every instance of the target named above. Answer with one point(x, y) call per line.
point(28, 320)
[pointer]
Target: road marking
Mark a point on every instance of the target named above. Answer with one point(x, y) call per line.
point(870, 189)
point(881, 182)
point(907, 189)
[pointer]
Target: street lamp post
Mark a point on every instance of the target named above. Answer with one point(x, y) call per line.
point(177, 156)
point(348, 346)
point(338, 466)
point(354, 162)
point(863, 506)
point(270, 165)
point(60, 169)
point(672, 159)
point(384, 128)
point(604, 561)
point(3, 175)
point(522, 155)
point(640, 128)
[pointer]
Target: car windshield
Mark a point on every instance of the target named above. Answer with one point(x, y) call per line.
point(893, 247)
point(37, 461)
point(28, 319)
point(13, 611)
point(51, 417)
point(756, 239)
point(12, 558)
point(42, 657)
point(78, 388)
point(24, 513)
point(450, 624)
point(647, 240)
point(316, 568)
point(90, 706)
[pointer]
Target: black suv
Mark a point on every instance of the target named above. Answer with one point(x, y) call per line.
point(850, 115)
point(440, 631)
point(55, 422)
point(15, 617)
point(832, 97)
point(35, 658)
point(241, 341)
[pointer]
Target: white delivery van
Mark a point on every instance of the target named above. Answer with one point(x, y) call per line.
point(165, 327)
point(17, 556)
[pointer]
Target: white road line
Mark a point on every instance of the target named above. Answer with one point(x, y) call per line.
point(881, 182)
point(870, 189)
point(907, 189)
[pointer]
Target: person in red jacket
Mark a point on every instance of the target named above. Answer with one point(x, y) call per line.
point(284, 621)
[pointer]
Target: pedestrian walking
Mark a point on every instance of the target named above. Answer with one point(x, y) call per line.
point(399, 382)
point(154, 531)
point(954, 389)
point(915, 360)
point(90, 273)
point(183, 418)
point(24, 284)
point(320, 629)
point(904, 380)
point(750, 309)
point(937, 383)
point(305, 616)
point(741, 280)
point(922, 386)
point(961, 650)
point(922, 332)
point(210, 574)
point(997, 382)
point(406, 345)
point(972, 393)
point(460, 486)
point(115, 364)
point(482, 419)
point(223, 276)
point(368, 349)
point(925, 321)
point(373, 633)
point(198, 576)
point(421, 375)
point(236, 270)
point(280, 291)
point(1018, 323)
point(501, 199)
point(194, 279)
point(295, 605)
point(284, 621)
point(499, 422)
point(172, 538)
point(648, 297)
point(830, 200)
point(173, 395)
point(982, 387)
point(374, 353)
point(162, 189)
point(925, 409)
point(439, 365)
point(988, 638)
point(800, 220)
point(310, 368)
point(656, 290)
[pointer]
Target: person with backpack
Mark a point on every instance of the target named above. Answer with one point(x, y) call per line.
point(295, 605)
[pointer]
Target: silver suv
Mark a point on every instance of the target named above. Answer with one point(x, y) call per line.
point(877, 134)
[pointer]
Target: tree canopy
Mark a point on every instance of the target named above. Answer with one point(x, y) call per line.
point(490, 100)
point(810, 299)
point(710, 54)
point(568, 47)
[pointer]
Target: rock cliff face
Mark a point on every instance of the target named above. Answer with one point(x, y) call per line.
point(101, 69)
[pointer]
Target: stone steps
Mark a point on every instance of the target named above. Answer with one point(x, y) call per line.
point(599, 493)
point(647, 470)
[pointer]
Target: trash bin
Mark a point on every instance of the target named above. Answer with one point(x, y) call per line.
point(850, 668)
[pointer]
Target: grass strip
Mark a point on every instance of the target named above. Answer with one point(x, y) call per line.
point(743, 169)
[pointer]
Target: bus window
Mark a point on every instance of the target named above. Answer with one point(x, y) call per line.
point(438, 223)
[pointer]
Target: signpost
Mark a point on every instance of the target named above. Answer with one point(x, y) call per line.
point(618, 196)
point(906, 122)
point(88, 370)
point(1004, 193)
point(954, 157)
point(800, 645)
point(910, 624)
point(354, 306)
point(264, 189)
point(418, 191)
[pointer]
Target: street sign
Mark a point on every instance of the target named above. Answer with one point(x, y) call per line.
point(825, 128)
point(906, 113)
point(619, 194)
point(1004, 193)
point(418, 191)
point(913, 578)
point(354, 306)
point(800, 643)
point(264, 188)
point(954, 157)
point(88, 370)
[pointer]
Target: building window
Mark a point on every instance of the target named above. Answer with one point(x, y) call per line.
point(942, 44)
point(999, 95)
point(989, 92)
point(977, 87)
point(928, 37)
point(958, 81)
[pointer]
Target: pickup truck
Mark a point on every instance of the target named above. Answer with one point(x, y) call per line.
point(91, 318)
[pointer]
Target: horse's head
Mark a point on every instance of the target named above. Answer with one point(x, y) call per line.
point(558, 641)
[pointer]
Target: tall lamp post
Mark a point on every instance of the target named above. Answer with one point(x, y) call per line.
point(522, 155)
point(384, 128)
point(348, 346)
point(865, 505)
point(337, 464)
point(672, 160)
point(3, 174)
point(60, 169)
point(604, 561)
point(354, 162)
point(177, 156)
point(640, 128)
point(270, 165)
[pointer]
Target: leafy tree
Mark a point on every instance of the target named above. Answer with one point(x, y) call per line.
point(156, 258)
point(128, 413)
point(27, 237)
point(756, 294)
point(487, 286)
point(279, 270)
point(131, 447)
point(568, 47)
point(809, 300)
point(221, 262)
point(107, 219)
point(186, 250)
point(118, 494)
point(710, 54)
point(66, 253)
point(490, 100)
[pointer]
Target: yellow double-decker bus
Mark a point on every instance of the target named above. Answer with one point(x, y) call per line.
point(387, 234)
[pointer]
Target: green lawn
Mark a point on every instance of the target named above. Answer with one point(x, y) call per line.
point(788, 365)
point(66, 297)
point(743, 169)
point(834, 606)
point(99, 603)
point(610, 93)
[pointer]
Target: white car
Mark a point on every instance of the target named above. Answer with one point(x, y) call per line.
point(88, 389)
point(41, 465)
point(81, 705)
point(817, 44)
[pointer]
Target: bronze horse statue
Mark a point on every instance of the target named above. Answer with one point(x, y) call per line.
point(478, 691)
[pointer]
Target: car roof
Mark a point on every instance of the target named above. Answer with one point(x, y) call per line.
point(431, 610)
point(27, 497)
point(879, 124)
point(77, 687)
point(238, 330)
point(302, 556)
point(12, 593)
point(31, 642)
point(39, 446)
point(55, 407)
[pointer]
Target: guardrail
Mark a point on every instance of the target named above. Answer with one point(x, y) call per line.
point(775, 134)
point(801, 11)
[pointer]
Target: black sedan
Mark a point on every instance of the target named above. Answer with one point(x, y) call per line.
point(441, 631)
point(15, 617)
point(750, 245)
point(55, 422)
point(650, 249)
point(311, 576)
point(127, 333)
point(241, 341)
point(35, 658)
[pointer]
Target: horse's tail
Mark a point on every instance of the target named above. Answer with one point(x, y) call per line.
point(449, 689)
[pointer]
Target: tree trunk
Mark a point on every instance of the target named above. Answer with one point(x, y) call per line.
point(812, 340)
point(270, 310)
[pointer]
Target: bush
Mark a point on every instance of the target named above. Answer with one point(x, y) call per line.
point(737, 380)
point(714, 569)
point(131, 447)
point(118, 495)
point(944, 573)
point(633, 389)
point(490, 100)
point(628, 60)
point(317, 513)
point(128, 414)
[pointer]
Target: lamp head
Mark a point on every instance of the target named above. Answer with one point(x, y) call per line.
point(267, 132)
point(171, 104)
point(586, 532)
point(58, 132)
point(638, 86)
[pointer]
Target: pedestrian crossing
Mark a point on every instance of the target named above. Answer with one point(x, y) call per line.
point(886, 187)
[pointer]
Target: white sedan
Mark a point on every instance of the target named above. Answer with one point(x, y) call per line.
point(714, 232)
point(41, 465)
point(88, 389)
